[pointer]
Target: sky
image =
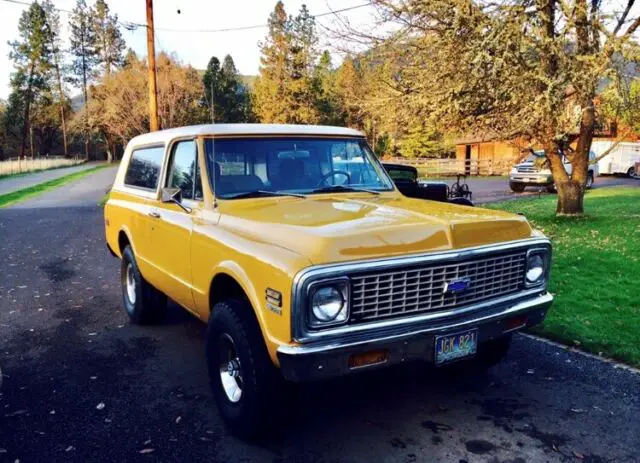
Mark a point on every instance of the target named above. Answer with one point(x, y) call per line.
point(193, 48)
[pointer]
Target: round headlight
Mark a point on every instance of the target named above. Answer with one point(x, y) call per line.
point(327, 303)
point(535, 268)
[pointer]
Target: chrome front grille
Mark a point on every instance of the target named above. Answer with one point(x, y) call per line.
point(527, 169)
point(420, 289)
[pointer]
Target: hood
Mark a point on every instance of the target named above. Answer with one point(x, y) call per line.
point(342, 227)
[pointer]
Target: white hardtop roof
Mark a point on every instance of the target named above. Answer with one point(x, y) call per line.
point(164, 136)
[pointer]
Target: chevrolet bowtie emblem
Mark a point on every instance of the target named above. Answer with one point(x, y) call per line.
point(456, 286)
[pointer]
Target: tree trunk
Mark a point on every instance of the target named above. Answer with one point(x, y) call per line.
point(86, 101)
point(62, 103)
point(570, 198)
point(27, 112)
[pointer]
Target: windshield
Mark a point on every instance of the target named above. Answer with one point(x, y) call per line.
point(536, 155)
point(286, 165)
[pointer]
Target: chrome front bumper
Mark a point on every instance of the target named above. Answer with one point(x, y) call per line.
point(330, 357)
point(531, 179)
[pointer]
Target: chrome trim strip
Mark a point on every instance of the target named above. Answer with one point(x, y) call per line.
point(541, 302)
point(305, 276)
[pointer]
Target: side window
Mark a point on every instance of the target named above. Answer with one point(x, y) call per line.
point(144, 167)
point(183, 170)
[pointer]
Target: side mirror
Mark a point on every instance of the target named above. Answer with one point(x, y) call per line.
point(174, 195)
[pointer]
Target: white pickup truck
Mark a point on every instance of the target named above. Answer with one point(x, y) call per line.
point(535, 171)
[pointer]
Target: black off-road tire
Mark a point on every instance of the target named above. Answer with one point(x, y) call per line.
point(516, 187)
point(249, 416)
point(146, 305)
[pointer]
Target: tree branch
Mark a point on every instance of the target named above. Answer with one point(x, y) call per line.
point(608, 151)
point(623, 18)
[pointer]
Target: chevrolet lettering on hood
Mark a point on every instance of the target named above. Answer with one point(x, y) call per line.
point(295, 246)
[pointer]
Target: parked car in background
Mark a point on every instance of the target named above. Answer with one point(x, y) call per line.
point(406, 180)
point(534, 171)
point(621, 160)
point(306, 267)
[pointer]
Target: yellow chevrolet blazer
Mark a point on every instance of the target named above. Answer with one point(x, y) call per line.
point(306, 262)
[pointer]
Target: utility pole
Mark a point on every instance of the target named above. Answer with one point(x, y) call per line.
point(151, 54)
point(213, 104)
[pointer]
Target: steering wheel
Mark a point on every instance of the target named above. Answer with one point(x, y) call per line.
point(332, 174)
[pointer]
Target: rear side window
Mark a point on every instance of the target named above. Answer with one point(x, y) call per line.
point(183, 170)
point(144, 167)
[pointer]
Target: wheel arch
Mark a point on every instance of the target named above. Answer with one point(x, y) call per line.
point(124, 239)
point(231, 281)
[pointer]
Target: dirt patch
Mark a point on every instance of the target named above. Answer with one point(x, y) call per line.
point(58, 270)
point(479, 446)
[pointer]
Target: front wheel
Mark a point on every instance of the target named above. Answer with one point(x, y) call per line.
point(631, 172)
point(242, 377)
point(516, 187)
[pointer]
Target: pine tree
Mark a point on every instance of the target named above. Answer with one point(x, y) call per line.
point(109, 44)
point(31, 55)
point(284, 91)
point(349, 90)
point(304, 55)
point(235, 93)
point(325, 92)
point(270, 98)
point(212, 82)
point(53, 19)
point(85, 56)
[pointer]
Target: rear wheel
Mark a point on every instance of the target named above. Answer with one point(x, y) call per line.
point(243, 378)
point(516, 187)
point(144, 303)
point(551, 188)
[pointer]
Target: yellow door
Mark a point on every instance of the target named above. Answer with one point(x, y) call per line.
point(171, 225)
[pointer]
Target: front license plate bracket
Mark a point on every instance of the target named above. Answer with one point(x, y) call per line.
point(455, 346)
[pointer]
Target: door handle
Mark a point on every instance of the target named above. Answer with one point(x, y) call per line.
point(154, 214)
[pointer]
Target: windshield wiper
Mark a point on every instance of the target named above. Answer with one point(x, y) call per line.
point(342, 188)
point(260, 193)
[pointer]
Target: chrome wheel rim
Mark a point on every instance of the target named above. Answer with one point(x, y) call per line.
point(130, 281)
point(230, 369)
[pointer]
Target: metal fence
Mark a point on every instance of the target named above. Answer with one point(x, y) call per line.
point(17, 165)
point(451, 167)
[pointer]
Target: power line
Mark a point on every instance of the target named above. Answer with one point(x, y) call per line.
point(260, 26)
point(129, 25)
point(126, 24)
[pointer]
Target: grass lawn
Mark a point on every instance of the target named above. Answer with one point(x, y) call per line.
point(595, 274)
point(14, 197)
point(104, 200)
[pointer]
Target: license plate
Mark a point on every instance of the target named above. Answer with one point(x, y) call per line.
point(455, 346)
